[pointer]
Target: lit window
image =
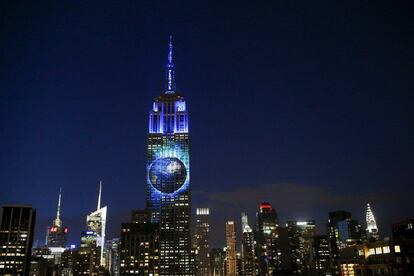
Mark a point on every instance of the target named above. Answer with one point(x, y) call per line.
point(378, 250)
point(372, 251)
point(397, 249)
point(386, 249)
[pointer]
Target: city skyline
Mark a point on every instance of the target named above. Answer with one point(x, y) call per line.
point(300, 131)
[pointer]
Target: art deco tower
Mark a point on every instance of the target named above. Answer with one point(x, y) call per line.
point(56, 234)
point(372, 229)
point(168, 176)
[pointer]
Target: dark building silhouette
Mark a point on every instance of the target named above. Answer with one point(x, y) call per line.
point(16, 239)
point(321, 255)
point(388, 257)
point(139, 245)
point(217, 262)
point(403, 230)
point(342, 231)
point(301, 237)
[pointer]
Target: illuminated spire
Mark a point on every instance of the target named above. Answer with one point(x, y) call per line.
point(99, 196)
point(245, 223)
point(170, 69)
point(57, 221)
point(372, 229)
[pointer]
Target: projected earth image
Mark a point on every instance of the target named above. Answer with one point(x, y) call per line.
point(167, 174)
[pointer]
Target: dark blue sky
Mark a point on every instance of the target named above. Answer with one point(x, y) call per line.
point(306, 104)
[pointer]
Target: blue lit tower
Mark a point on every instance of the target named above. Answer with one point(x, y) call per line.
point(168, 176)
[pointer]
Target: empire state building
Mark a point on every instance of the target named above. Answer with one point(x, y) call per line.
point(168, 176)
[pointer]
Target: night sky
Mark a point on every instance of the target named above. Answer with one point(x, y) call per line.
point(306, 104)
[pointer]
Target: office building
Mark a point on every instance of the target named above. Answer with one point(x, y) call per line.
point(342, 231)
point(139, 246)
point(403, 230)
point(231, 259)
point(268, 254)
point(168, 176)
point(248, 261)
point(96, 222)
point(217, 262)
point(201, 241)
point(56, 233)
point(17, 224)
point(321, 255)
point(301, 237)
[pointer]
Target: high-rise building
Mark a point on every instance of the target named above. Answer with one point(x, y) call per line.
point(217, 262)
point(168, 176)
point(268, 254)
point(112, 256)
point(321, 255)
point(403, 230)
point(201, 240)
point(139, 249)
point(248, 248)
point(43, 262)
point(372, 229)
point(96, 222)
point(56, 233)
point(231, 259)
point(301, 237)
point(342, 231)
point(16, 239)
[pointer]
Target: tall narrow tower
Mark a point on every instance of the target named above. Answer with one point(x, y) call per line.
point(231, 260)
point(96, 222)
point(201, 241)
point(56, 233)
point(168, 176)
point(372, 229)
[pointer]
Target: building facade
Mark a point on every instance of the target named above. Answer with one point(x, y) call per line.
point(248, 258)
point(321, 255)
point(268, 254)
point(168, 177)
point(231, 258)
point(201, 241)
point(139, 246)
point(217, 262)
point(342, 231)
point(16, 239)
point(301, 237)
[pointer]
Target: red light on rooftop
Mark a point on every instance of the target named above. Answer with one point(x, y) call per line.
point(265, 205)
point(66, 230)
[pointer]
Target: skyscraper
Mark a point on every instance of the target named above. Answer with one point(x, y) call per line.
point(56, 233)
point(201, 240)
point(231, 259)
point(321, 255)
point(342, 231)
point(96, 222)
point(139, 245)
point(267, 239)
point(16, 239)
point(248, 250)
point(301, 237)
point(217, 262)
point(168, 176)
point(372, 229)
